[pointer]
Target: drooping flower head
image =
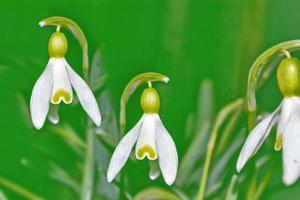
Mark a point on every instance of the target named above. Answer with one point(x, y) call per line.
point(152, 142)
point(287, 118)
point(55, 86)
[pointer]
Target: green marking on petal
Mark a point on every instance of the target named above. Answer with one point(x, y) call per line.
point(278, 143)
point(147, 149)
point(61, 94)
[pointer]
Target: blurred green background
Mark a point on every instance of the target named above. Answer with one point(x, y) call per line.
point(188, 40)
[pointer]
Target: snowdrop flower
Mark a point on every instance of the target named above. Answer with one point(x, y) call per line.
point(287, 118)
point(152, 141)
point(55, 85)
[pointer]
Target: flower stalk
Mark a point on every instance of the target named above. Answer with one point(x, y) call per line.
point(78, 34)
point(256, 71)
point(134, 83)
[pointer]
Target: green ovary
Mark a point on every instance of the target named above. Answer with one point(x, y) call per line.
point(58, 45)
point(288, 76)
point(61, 93)
point(150, 101)
point(147, 149)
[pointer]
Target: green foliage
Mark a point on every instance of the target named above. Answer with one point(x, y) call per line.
point(205, 47)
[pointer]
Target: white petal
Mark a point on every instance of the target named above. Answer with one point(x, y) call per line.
point(154, 172)
point(291, 146)
point(53, 116)
point(146, 141)
point(122, 151)
point(40, 97)
point(62, 90)
point(167, 154)
point(85, 95)
point(256, 137)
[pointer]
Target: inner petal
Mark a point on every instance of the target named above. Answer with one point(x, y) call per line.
point(62, 90)
point(145, 146)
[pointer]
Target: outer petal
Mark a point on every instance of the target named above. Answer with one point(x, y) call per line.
point(40, 97)
point(256, 138)
point(122, 151)
point(85, 95)
point(146, 141)
point(167, 153)
point(291, 146)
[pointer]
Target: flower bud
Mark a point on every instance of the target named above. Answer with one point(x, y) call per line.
point(57, 45)
point(150, 101)
point(288, 76)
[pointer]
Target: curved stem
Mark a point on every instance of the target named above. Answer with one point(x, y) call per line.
point(73, 27)
point(257, 68)
point(133, 84)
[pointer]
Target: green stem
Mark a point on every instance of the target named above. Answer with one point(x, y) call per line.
point(73, 27)
point(89, 164)
point(88, 179)
point(210, 147)
point(251, 188)
point(227, 131)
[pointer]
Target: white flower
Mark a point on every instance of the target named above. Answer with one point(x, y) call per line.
point(287, 116)
point(152, 141)
point(55, 85)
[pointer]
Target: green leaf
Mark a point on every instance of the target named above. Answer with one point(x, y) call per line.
point(221, 117)
point(231, 194)
point(98, 75)
point(106, 134)
point(204, 117)
point(221, 163)
point(59, 174)
point(19, 189)
point(68, 134)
